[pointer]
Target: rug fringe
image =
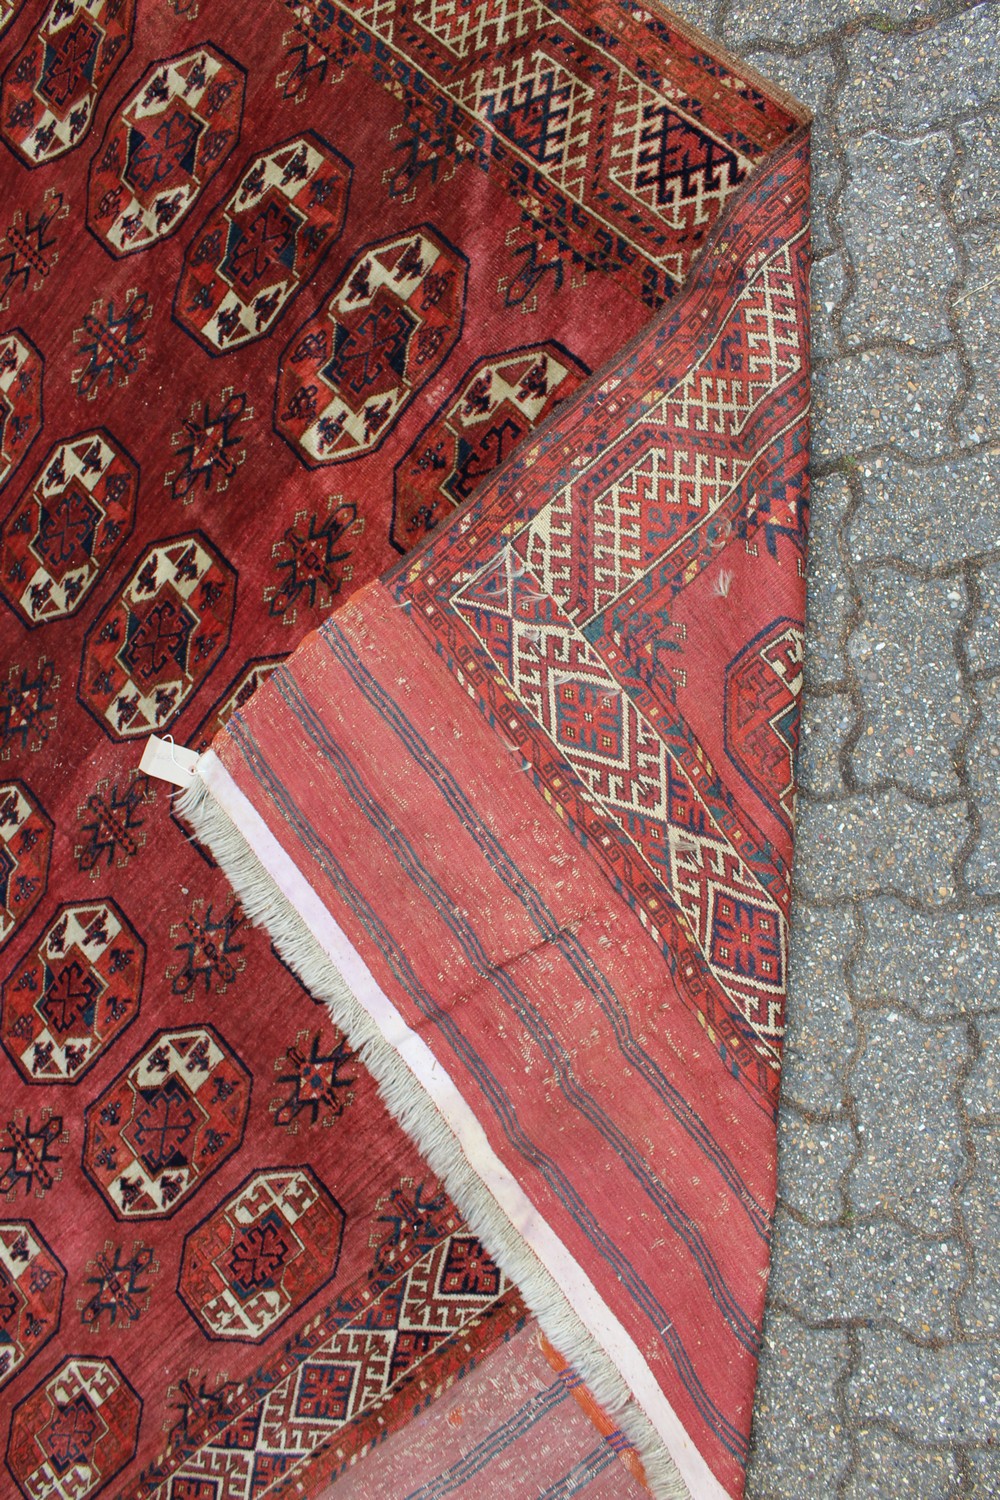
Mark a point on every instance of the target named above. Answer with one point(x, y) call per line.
point(407, 1100)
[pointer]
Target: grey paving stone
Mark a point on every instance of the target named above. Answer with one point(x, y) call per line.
point(828, 601)
point(913, 81)
point(983, 869)
point(799, 1445)
point(984, 1464)
point(886, 1465)
point(982, 1087)
point(883, 415)
point(939, 514)
point(827, 287)
point(976, 190)
point(812, 1159)
point(820, 1035)
point(977, 309)
point(984, 637)
point(825, 724)
point(883, 843)
point(882, 397)
point(796, 24)
point(910, 1132)
point(979, 1306)
point(692, 11)
point(942, 964)
point(915, 705)
point(868, 1273)
point(946, 1395)
point(899, 240)
point(810, 79)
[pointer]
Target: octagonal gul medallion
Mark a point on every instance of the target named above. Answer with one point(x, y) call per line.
point(73, 994)
point(31, 1293)
point(25, 847)
point(262, 1254)
point(496, 403)
point(75, 1431)
point(51, 89)
point(67, 526)
point(388, 326)
point(20, 399)
point(164, 145)
point(261, 245)
point(156, 642)
point(167, 1122)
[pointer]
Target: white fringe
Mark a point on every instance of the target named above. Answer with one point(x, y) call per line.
point(413, 1107)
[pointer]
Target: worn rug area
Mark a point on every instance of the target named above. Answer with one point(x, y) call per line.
point(301, 306)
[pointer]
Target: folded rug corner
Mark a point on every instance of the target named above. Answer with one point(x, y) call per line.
point(521, 812)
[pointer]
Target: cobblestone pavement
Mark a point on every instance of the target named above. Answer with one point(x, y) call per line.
point(881, 1369)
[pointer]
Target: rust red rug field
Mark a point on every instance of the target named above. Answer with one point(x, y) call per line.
point(280, 287)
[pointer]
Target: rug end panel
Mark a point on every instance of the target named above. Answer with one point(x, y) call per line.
point(408, 1101)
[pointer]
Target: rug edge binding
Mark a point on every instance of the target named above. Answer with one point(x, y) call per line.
point(410, 1104)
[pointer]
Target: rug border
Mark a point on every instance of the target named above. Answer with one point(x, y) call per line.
point(421, 1095)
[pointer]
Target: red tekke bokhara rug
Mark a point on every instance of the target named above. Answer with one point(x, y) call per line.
point(463, 348)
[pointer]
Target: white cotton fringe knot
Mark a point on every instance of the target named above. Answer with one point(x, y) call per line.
point(408, 1101)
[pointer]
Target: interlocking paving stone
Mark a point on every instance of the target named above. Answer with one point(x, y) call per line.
point(905, 145)
point(979, 1306)
point(983, 870)
point(926, 515)
point(903, 1084)
point(976, 190)
point(868, 1273)
point(869, 844)
point(828, 603)
point(828, 280)
point(887, 1465)
point(797, 1396)
point(982, 1087)
point(913, 81)
point(977, 309)
point(984, 1464)
point(984, 637)
point(821, 1033)
point(898, 239)
point(942, 964)
point(881, 397)
point(825, 722)
point(813, 1156)
point(916, 710)
point(934, 1395)
point(801, 23)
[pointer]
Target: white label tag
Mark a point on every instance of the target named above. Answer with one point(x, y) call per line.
point(168, 762)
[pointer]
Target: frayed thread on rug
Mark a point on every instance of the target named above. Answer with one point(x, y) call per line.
point(416, 1112)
